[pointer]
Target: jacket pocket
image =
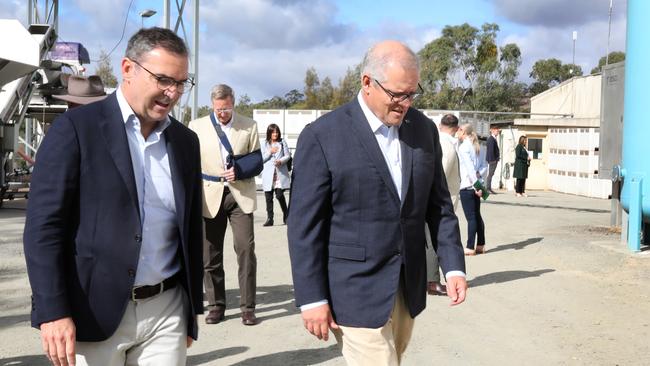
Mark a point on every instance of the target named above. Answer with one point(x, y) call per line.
point(354, 253)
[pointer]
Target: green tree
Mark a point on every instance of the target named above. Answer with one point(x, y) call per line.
point(294, 97)
point(464, 69)
point(244, 106)
point(326, 94)
point(105, 71)
point(550, 72)
point(312, 84)
point(614, 57)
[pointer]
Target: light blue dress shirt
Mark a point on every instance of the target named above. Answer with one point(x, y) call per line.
point(160, 237)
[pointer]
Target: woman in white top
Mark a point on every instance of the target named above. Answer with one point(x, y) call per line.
point(275, 176)
point(470, 198)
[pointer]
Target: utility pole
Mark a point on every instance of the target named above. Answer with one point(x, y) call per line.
point(609, 31)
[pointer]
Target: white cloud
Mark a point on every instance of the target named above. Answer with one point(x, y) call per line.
point(543, 43)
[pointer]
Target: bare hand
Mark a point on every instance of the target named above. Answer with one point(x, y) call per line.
point(318, 320)
point(274, 149)
point(189, 341)
point(277, 163)
point(479, 193)
point(456, 289)
point(229, 174)
point(58, 339)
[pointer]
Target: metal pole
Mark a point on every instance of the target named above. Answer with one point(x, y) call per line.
point(609, 31)
point(195, 92)
point(30, 12)
point(166, 15)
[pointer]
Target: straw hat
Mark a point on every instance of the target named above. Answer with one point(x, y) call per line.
point(83, 90)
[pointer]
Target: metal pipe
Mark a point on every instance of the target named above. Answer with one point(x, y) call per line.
point(195, 48)
point(635, 196)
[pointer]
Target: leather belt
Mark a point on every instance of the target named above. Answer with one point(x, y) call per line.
point(147, 291)
point(213, 178)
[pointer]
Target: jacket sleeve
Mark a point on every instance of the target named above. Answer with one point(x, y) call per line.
point(48, 241)
point(308, 223)
point(286, 153)
point(442, 221)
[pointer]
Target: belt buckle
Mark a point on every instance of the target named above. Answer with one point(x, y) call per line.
point(133, 292)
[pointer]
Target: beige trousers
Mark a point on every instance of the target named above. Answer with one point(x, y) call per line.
point(378, 347)
point(152, 332)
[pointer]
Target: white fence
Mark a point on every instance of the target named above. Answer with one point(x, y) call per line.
point(573, 162)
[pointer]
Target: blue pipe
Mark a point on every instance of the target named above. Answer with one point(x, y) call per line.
point(636, 167)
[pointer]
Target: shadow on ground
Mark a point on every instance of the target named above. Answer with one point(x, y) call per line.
point(269, 299)
point(505, 276)
point(30, 360)
point(576, 209)
point(11, 320)
point(516, 246)
point(214, 355)
point(294, 358)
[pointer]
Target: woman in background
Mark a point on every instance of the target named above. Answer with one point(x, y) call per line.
point(470, 197)
point(275, 176)
point(522, 161)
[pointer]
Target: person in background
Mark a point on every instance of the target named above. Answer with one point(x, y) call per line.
point(227, 197)
point(522, 162)
point(448, 128)
point(113, 231)
point(275, 176)
point(470, 197)
point(492, 156)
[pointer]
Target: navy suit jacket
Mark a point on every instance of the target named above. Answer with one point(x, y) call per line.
point(351, 240)
point(82, 233)
point(492, 151)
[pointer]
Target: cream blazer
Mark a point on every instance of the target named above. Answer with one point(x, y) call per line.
point(450, 164)
point(243, 139)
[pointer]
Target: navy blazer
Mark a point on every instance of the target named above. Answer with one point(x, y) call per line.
point(82, 233)
point(492, 150)
point(350, 237)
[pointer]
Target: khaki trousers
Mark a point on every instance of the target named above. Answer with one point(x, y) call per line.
point(377, 347)
point(152, 332)
point(244, 243)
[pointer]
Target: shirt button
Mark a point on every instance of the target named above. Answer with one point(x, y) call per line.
point(131, 273)
point(138, 238)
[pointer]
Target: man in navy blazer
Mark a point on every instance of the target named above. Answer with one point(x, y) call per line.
point(113, 236)
point(492, 155)
point(367, 177)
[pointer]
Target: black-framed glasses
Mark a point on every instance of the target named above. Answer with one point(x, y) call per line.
point(400, 97)
point(165, 82)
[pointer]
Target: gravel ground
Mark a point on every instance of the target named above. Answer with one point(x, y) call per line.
point(556, 287)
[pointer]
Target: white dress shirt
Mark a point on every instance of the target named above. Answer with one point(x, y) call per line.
point(151, 170)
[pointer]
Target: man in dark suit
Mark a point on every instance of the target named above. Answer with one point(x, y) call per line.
point(113, 236)
point(492, 156)
point(367, 177)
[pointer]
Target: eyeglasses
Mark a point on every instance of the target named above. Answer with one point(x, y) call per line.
point(400, 97)
point(223, 110)
point(164, 82)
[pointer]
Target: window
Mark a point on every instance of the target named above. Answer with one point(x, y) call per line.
point(535, 145)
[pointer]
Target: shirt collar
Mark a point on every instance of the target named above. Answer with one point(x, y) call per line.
point(449, 137)
point(227, 125)
point(373, 121)
point(127, 111)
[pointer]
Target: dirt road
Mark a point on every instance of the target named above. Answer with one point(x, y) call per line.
point(554, 288)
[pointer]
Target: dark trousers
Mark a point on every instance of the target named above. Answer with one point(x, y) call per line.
point(472, 209)
point(520, 185)
point(492, 166)
point(279, 195)
point(244, 243)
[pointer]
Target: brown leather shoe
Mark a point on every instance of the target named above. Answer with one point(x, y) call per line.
point(436, 288)
point(248, 318)
point(215, 316)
